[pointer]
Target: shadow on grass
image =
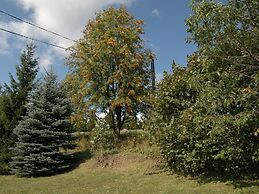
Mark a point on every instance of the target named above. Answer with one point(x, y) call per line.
point(73, 162)
point(78, 158)
point(237, 182)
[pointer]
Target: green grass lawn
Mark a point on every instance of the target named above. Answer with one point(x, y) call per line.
point(121, 173)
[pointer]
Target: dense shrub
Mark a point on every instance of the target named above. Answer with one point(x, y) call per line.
point(200, 138)
point(207, 144)
point(136, 135)
point(134, 138)
point(102, 138)
point(207, 113)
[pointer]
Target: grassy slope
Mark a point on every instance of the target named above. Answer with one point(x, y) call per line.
point(120, 173)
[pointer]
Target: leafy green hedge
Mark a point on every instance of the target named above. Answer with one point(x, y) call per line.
point(206, 115)
point(196, 145)
point(195, 136)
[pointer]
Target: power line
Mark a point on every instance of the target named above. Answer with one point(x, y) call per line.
point(34, 25)
point(37, 40)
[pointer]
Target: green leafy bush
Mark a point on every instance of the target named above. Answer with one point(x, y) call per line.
point(207, 113)
point(206, 144)
point(135, 135)
point(102, 138)
point(134, 138)
point(199, 137)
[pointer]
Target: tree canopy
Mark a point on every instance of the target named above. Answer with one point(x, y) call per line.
point(109, 68)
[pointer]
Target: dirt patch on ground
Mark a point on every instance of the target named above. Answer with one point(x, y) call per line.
point(124, 162)
point(118, 160)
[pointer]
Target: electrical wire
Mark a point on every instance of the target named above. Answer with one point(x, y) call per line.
point(34, 25)
point(34, 39)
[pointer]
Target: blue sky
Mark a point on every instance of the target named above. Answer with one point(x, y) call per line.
point(165, 29)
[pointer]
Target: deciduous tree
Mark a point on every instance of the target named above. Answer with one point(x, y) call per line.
point(109, 68)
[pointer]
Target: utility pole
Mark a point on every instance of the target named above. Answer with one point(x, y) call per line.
point(153, 74)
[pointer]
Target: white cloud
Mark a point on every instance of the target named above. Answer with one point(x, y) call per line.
point(64, 17)
point(156, 12)
point(21, 28)
point(3, 43)
point(45, 63)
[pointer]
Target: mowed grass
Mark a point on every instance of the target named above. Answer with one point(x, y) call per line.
point(121, 173)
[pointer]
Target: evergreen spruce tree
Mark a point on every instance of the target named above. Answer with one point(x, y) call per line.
point(12, 100)
point(44, 133)
point(19, 89)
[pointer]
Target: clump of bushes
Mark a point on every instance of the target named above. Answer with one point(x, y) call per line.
point(197, 135)
point(206, 114)
point(137, 135)
point(102, 138)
